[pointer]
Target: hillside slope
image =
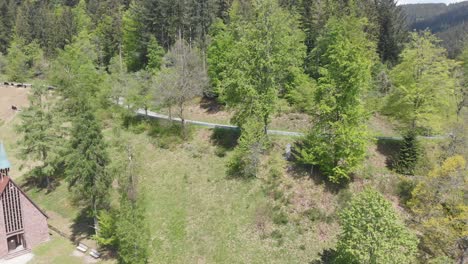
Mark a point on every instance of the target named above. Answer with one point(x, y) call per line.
point(448, 22)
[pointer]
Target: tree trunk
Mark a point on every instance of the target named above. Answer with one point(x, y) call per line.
point(96, 222)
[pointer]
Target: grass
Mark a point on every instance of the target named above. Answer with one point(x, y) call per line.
point(57, 250)
point(196, 213)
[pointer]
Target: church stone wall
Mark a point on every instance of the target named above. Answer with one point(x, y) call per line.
point(3, 241)
point(35, 223)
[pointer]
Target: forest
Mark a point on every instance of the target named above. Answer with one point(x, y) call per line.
point(448, 22)
point(378, 97)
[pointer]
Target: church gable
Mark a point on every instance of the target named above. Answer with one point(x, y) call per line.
point(12, 209)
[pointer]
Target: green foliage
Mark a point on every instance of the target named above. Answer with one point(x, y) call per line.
point(245, 160)
point(132, 233)
point(337, 142)
point(249, 57)
point(42, 136)
point(106, 235)
point(182, 79)
point(76, 76)
point(392, 30)
point(218, 56)
point(300, 91)
point(155, 55)
point(8, 10)
point(86, 162)
point(24, 61)
point(440, 207)
point(372, 232)
point(109, 37)
point(408, 155)
point(423, 85)
point(133, 46)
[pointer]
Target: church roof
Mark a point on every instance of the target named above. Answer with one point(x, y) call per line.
point(4, 163)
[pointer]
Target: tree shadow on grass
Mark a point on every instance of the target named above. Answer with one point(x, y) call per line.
point(225, 138)
point(327, 256)
point(211, 105)
point(317, 176)
point(83, 226)
point(389, 148)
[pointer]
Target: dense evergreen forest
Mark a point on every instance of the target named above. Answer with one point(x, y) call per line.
point(339, 63)
point(448, 22)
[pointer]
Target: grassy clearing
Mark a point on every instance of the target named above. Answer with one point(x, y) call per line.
point(57, 250)
point(198, 215)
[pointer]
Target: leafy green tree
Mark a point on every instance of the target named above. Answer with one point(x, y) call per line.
point(337, 141)
point(24, 61)
point(372, 233)
point(120, 81)
point(86, 164)
point(423, 85)
point(76, 76)
point(263, 46)
point(41, 136)
point(422, 98)
point(440, 209)
point(462, 91)
point(155, 55)
point(109, 37)
point(140, 93)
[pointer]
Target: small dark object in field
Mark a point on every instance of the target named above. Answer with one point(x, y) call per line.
point(14, 108)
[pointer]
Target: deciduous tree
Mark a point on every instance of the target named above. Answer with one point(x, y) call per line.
point(372, 233)
point(337, 141)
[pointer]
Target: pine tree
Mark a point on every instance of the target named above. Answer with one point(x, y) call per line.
point(86, 164)
point(42, 136)
point(408, 155)
point(392, 30)
point(24, 61)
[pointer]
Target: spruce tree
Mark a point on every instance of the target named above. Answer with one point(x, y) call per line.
point(86, 164)
point(408, 154)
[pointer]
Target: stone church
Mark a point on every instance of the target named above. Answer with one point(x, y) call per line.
point(23, 225)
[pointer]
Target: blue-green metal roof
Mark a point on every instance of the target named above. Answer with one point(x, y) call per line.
point(4, 163)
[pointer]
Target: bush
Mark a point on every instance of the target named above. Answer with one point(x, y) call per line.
point(245, 161)
point(280, 218)
point(405, 188)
